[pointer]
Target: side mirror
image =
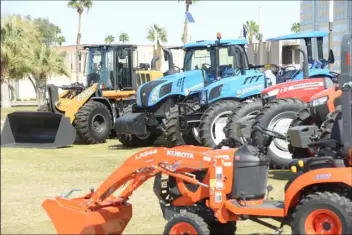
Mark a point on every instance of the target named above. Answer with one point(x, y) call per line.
point(166, 57)
point(331, 58)
point(231, 51)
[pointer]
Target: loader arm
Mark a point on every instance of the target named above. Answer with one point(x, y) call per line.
point(95, 212)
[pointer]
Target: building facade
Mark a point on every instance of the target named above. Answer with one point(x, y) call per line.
point(333, 16)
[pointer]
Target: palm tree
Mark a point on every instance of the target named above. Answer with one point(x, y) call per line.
point(252, 29)
point(16, 37)
point(124, 37)
point(79, 6)
point(157, 34)
point(109, 39)
point(45, 62)
point(60, 40)
point(296, 27)
point(185, 27)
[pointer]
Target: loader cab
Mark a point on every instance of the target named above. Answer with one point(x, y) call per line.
point(112, 66)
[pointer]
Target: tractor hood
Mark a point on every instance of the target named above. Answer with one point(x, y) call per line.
point(151, 93)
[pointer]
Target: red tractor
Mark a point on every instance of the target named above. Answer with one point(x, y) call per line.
point(277, 108)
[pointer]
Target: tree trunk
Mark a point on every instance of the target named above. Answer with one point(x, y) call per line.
point(5, 95)
point(33, 84)
point(78, 45)
point(160, 54)
point(185, 27)
point(41, 91)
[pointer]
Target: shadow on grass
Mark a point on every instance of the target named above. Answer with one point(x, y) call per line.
point(281, 175)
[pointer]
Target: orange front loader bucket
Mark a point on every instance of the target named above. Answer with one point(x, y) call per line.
point(73, 217)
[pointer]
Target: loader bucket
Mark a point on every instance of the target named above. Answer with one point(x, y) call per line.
point(37, 130)
point(69, 217)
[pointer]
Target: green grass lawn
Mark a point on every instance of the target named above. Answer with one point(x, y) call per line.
point(29, 176)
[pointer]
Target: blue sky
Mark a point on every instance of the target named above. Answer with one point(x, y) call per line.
point(134, 17)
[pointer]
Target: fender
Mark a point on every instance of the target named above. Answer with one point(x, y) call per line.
point(78, 101)
point(314, 177)
point(236, 87)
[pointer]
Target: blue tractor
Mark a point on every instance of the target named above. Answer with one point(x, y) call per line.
point(203, 65)
point(218, 100)
point(201, 121)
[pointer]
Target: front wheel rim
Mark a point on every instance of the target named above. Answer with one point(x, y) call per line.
point(217, 127)
point(323, 222)
point(183, 228)
point(281, 123)
point(98, 123)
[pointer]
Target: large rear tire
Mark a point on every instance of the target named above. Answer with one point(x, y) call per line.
point(213, 121)
point(323, 213)
point(171, 130)
point(277, 115)
point(302, 118)
point(246, 108)
point(93, 122)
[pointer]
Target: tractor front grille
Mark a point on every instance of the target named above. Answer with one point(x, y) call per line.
point(146, 89)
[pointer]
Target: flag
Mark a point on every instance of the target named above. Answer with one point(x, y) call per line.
point(244, 31)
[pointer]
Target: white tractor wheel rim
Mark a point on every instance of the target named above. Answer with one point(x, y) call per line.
point(218, 125)
point(195, 132)
point(280, 123)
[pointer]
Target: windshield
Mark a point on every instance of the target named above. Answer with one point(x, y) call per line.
point(100, 65)
point(203, 58)
point(198, 58)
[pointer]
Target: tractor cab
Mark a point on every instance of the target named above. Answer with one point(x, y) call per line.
point(216, 59)
point(316, 66)
point(112, 66)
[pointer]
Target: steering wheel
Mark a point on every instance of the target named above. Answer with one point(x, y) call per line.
point(270, 133)
point(178, 68)
point(205, 67)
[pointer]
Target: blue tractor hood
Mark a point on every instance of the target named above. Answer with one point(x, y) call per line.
point(151, 93)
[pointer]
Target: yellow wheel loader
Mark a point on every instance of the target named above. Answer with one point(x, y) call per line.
point(83, 112)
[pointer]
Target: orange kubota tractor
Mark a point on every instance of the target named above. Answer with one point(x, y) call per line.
point(209, 190)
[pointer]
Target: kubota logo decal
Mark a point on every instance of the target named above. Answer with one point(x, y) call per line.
point(180, 154)
point(85, 94)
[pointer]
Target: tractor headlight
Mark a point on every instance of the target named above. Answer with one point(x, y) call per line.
point(203, 98)
point(319, 101)
point(270, 93)
point(155, 94)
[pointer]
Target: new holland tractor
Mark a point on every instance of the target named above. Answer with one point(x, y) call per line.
point(156, 99)
point(237, 80)
point(85, 113)
point(278, 104)
point(210, 191)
